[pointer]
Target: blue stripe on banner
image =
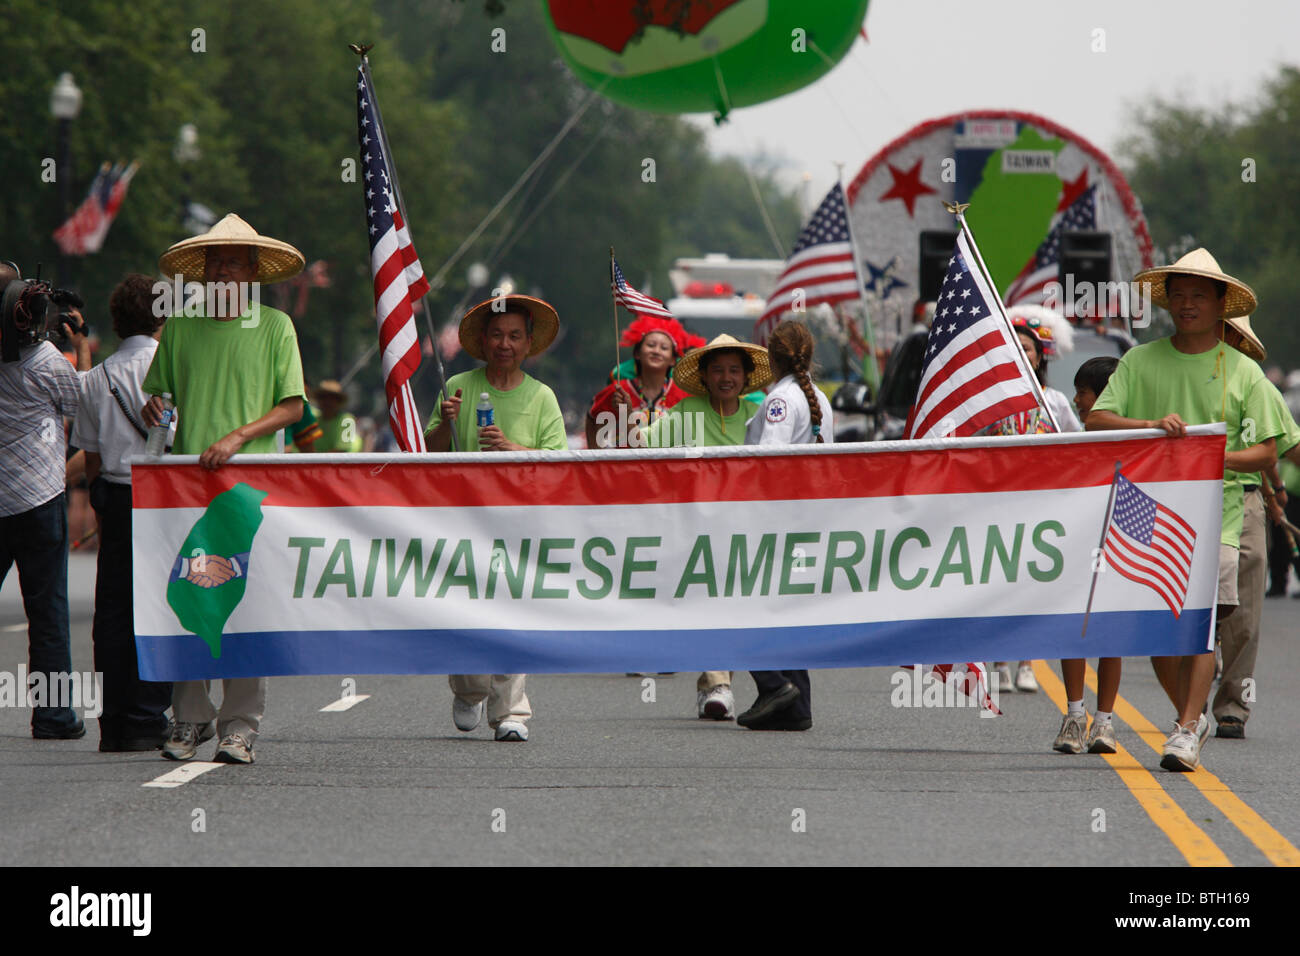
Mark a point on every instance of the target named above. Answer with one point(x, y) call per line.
point(941, 641)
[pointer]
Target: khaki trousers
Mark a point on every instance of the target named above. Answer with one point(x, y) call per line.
point(1239, 634)
point(711, 679)
point(504, 692)
point(243, 702)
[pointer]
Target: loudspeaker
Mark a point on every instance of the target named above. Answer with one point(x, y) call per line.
point(936, 250)
point(1087, 256)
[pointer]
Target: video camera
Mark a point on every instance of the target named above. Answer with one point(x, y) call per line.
point(33, 311)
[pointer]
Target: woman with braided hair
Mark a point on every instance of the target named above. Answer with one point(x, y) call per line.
point(795, 412)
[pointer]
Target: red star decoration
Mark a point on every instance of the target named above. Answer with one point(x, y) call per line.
point(1072, 190)
point(907, 186)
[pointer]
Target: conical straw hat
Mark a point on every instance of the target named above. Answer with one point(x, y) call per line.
point(1239, 300)
point(1250, 343)
point(546, 323)
point(276, 260)
point(687, 371)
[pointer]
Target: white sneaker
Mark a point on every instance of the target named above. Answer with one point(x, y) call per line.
point(467, 716)
point(1070, 739)
point(1182, 751)
point(1025, 680)
point(1101, 738)
point(1005, 682)
point(718, 703)
point(1202, 730)
point(515, 730)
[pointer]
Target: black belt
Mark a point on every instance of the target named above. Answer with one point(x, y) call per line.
point(1247, 489)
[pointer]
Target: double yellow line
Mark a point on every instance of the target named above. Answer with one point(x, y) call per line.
point(1190, 840)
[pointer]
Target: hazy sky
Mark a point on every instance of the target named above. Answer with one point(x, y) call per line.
point(928, 58)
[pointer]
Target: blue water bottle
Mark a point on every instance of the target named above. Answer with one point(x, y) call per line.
point(486, 416)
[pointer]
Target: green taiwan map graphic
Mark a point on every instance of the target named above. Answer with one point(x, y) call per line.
point(215, 553)
point(1010, 213)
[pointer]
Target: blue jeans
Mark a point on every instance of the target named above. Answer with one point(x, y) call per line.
point(37, 541)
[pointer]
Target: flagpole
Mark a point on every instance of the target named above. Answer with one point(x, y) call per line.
point(873, 377)
point(618, 351)
point(1101, 548)
point(957, 209)
point(401, 206)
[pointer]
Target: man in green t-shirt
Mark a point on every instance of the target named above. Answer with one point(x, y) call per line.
point(235, 376)
point(1239, 634)
point(1194, 378)
point(526, 416)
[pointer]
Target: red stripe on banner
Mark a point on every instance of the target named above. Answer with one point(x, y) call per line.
point(399, 482)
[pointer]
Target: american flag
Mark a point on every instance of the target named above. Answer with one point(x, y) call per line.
point(632, 300)
point(86, 228)
point(1149, 544)
point(399, 277)
point(973, 373)
point(821, 265)
point(1045, 266)
point(973, 681)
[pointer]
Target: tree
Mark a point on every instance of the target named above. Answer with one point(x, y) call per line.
point(1221, 179)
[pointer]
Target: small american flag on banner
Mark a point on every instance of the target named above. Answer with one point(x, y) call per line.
point(86, 228)
point(821, 266)
point(1028, 287)
point(973, 373)
point(1150, 544)
point(398, 276)
point(632, 300)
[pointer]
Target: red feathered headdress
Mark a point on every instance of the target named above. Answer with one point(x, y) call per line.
point(645, 324)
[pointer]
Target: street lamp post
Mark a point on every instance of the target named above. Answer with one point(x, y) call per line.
point(186, 151)
point(65, 104)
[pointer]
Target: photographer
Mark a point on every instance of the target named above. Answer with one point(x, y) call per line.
point(108, 428)
point(38, 389)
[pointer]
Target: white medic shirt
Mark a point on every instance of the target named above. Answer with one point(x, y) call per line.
point(783, 418)
point(101, 426)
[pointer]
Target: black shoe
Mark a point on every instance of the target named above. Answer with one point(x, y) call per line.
point(769, 704)
point(783, 721)
point(75, 732)
point(1233, 728)
point(1275, 592)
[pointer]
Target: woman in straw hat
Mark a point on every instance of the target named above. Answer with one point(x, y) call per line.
point(715, 412)
point(795, 412)
point(656, 344)
point(501, 332)
point(1193, 378)
point(235, 376)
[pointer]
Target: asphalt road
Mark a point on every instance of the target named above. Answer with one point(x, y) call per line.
point(609, 777)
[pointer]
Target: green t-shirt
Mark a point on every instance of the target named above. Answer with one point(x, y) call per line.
point(527, 415)
point(334, 430)
point(225, 374)
point(1290, 436)
point(692, 421)
point(1155, 380)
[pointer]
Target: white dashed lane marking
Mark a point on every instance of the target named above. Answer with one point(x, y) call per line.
point(183, 774)
point(344, 703)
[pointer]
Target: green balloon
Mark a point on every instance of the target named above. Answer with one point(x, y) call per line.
point(732, 53)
